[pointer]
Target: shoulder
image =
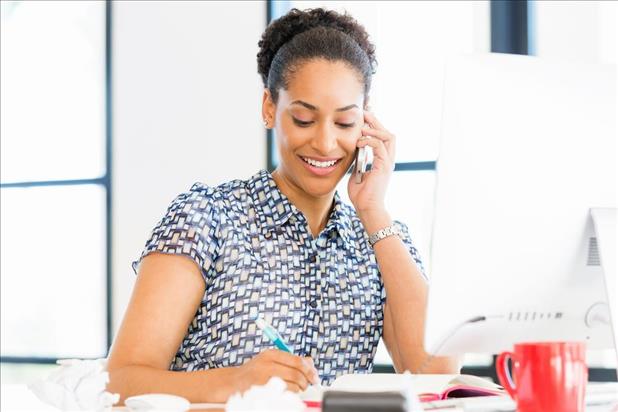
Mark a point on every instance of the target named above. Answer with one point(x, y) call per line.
point(233, 194)
point(203, 197)
point(200, 199)
point(217, 207)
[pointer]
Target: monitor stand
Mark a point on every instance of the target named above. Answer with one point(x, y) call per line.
point(605, 222)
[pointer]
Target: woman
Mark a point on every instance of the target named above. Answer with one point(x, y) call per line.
point(283, 246)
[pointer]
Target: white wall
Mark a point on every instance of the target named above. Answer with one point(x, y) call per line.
point(186, 108)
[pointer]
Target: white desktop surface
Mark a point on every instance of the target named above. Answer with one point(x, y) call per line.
point(17, 397)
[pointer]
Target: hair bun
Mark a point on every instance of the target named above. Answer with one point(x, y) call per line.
point(296, 21)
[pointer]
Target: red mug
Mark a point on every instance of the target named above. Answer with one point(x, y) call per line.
point(547, 376)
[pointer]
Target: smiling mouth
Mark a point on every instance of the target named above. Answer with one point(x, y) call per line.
point(317, 163)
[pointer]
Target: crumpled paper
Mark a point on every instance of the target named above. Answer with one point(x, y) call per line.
point(270, 397)
point(77, 385)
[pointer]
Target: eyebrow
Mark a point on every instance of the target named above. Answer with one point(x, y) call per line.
point(314, 108)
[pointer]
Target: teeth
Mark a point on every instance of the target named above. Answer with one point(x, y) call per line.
point(319, 164)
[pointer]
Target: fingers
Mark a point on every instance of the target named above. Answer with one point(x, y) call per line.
point(297, 372)
point(376, 130)
point(302, 365)
point(379, 149)
point(383, 135)
point(293, 387)
point(372, 120)
point(292, 377)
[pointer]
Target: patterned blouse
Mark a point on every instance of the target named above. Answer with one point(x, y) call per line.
point(258, 257)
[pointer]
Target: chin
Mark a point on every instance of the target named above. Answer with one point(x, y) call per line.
point(316, 184)
point(319, 187)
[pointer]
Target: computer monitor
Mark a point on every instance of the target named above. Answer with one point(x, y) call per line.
point(528, 147)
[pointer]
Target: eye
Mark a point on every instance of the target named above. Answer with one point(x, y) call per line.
point(301, 123)
point(346, 125)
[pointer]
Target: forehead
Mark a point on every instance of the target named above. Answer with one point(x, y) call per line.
point(325, 84)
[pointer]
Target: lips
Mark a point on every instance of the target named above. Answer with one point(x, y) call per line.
point(320, 166)
point(318, 163)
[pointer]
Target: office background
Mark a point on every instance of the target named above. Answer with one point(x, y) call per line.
point(110, 109)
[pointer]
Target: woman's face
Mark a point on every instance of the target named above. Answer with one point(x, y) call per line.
point(318, 121)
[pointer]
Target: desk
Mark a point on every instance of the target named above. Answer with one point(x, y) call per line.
point(18, 398)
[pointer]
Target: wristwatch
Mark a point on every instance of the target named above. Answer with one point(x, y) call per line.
point(391, 230)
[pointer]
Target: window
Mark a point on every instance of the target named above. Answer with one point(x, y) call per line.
point(54, 181)
point(576, 30)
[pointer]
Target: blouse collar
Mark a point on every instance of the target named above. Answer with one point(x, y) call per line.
point(274, 209)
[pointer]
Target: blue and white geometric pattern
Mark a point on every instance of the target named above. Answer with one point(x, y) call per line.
point(257, 256)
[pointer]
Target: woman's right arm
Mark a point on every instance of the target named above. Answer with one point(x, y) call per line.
point(167, 293)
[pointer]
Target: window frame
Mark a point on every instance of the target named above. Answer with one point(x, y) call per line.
point(105, 181)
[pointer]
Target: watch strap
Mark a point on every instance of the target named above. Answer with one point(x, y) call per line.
point(391, 230)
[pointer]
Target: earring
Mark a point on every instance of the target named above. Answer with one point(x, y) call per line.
point(266, 123)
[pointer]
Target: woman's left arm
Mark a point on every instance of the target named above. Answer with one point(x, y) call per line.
point(406, 289)
point(406, 303)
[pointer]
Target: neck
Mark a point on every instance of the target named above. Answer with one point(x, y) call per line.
point(315, 209)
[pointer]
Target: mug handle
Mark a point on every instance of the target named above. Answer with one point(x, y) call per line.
point(504, 375)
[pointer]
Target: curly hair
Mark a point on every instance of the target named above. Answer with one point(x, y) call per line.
point(302, 35)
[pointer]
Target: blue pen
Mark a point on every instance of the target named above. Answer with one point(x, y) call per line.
point(272, 334)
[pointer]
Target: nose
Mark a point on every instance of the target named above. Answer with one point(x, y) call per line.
point(325, 140)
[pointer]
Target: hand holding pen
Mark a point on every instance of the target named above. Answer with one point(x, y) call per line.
point(297, 372)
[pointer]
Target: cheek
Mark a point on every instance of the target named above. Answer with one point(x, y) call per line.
point(348, 141)
point(290, 138)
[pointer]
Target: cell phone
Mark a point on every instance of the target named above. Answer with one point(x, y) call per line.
point(362, 158)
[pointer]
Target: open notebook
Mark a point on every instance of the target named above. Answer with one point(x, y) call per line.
point(463, 386)
point(428, 387)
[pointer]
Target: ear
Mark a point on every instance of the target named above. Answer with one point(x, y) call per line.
point(367, 104)
point(268, 108)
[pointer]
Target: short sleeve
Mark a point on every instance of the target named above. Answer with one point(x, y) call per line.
point(407, 240)
point(189, 228)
